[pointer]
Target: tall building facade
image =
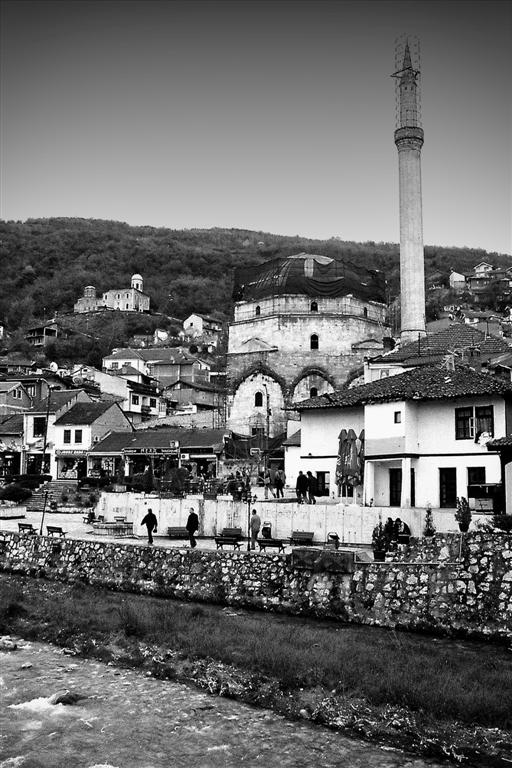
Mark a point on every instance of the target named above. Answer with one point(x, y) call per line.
point(302, 326)
point(409, 141)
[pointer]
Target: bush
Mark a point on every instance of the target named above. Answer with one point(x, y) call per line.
point(14, 492)
point(503, 522)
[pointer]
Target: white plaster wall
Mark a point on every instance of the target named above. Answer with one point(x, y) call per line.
point(427, 474)
point(436, 425)
point(353, 523)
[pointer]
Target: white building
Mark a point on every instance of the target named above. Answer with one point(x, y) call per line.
point(132, 299)
point(425, 435)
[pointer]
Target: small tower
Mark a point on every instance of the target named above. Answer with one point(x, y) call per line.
point(409, 141)
point(138, 282)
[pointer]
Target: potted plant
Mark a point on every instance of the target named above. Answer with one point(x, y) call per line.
point(379, 542)
point(429, 528)
point(463, 514)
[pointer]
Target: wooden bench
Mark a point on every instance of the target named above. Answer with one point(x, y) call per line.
point(301, 538)
point(175, 532)
point(55, 530)
point(229, 537)
point(26, 528)
point(266, 543)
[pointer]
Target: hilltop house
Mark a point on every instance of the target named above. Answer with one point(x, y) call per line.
point(132, 299)
point(11, 443)
point(425, 435)
point(14, 398)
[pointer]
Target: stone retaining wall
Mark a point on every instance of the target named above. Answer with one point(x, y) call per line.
point(428, 587)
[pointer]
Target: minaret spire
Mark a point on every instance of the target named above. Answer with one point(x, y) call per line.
point(409, 141)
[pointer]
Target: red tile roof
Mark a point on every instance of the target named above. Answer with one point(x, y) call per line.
point(425, 383)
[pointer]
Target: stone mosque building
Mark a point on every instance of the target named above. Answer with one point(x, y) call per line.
point(302, 326)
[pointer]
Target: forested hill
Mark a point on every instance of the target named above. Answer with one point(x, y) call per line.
point(47, 262)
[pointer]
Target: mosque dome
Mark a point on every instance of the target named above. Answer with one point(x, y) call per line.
point(308, 274)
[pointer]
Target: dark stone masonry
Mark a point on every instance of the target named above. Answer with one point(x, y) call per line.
point(447, 584)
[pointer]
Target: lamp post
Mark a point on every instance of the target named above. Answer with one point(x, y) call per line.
point(45, 443)
point(250, 499)
point(267, 423)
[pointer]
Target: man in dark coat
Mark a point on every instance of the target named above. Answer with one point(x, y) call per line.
point(301, 487)
point(312, 486)
point(150, 522)
point(192, 526)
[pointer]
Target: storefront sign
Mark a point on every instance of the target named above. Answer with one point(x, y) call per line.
point(151, 451)
point(70, 453)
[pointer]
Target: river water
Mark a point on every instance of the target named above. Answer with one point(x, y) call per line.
point(129, 720)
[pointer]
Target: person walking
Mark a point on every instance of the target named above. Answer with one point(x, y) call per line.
point(267, 482)
point(255, 528)
point(150, 521)
point(312, 488)
point(192, 526)
point(301, 487)
point(279, 481)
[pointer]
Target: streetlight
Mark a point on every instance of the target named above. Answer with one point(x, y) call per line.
point(250, 499)
point(267, 431)
point(45, 443)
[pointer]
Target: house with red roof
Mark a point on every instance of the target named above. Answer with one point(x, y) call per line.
point(423, 437)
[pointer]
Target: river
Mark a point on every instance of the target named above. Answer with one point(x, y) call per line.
point(130, 720)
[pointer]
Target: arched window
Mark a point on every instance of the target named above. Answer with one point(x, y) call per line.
point(365, 312)
point(258, 399)
point(314, 306)
point(313, 392)
point(258, 310)
point(314, 341)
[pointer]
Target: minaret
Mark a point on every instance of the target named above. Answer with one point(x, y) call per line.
point(409, 141)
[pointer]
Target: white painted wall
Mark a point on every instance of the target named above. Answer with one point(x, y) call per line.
point(354, 524)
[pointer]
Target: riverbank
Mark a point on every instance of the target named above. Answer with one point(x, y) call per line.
point(431, 697)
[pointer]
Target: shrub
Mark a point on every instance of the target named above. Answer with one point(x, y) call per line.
point(14, 492)
point(503, 522)
point(463, 513)
point(64, 497)
point(429, 528)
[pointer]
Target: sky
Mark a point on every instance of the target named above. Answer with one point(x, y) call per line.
point(268, 115)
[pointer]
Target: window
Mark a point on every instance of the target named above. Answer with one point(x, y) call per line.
point(135, 399)
point(314, 306)
point(152, 402)
point(67, 435)
point(39, 426)
point(365, 312)
point(314, 341)
point(257, 311)
point(127, 306)
point(114, 366)
point(31, 390)
point(258, 399)
point(398, 417)
point(313, 392)
point(258, 431)
point(484, 420)
point(476, 475)
point(463, 423)
point(471, 422)
point(78, 435)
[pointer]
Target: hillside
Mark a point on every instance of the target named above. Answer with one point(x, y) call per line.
point(47, 263)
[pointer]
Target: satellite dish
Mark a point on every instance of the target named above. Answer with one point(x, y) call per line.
point(54, 367)
point(77, 380)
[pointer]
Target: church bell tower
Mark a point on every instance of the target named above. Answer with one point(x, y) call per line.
point(409, 141)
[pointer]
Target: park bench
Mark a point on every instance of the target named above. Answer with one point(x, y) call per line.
point(55, 530)
point(26, 528)
point(177, 532)
point(266, 543)
point(229, 537)
point(301, 538)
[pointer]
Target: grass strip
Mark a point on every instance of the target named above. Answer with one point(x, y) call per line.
point(441, 678)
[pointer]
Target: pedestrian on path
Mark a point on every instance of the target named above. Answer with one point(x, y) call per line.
point(279, 482)
point(267, 482)
point(255, 528)
point(312, 488)
point(192, 526)
point(150, 522)
point(301, 487)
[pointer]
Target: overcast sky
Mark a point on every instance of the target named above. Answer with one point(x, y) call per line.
point(274, 116)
